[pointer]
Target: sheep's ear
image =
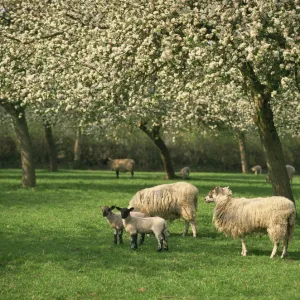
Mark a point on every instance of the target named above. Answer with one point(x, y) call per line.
point(131, 208)
point(112, 207)
point(118, 208)
point(102, 208)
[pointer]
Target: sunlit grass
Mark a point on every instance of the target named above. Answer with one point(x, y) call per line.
point(55, 244)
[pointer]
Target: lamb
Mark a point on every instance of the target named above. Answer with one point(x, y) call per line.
point(134, 225)
point(257, 169)
point(185, 172)
point(121, 165)
point(169, 201)
point(290, 171)
point(241, 216)
point(115, 221)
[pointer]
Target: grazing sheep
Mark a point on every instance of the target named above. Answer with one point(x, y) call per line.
point(257, 169)
point(241, 216)
point(169, 201)
point(290, 171)
point(115, 221)
point(121, 165)
point(134, 225)
point(185, 172)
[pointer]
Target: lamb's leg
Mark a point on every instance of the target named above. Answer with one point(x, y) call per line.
point(244, 249)
point(121, 236)
point(186, 228)
point(160, 240)
point(165, 240)
point(142, 238)
point(115, 236)
point(274, 250)
point(134, 241)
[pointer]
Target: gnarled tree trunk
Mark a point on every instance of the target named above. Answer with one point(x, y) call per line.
point(264, 120)
point(77, 145)
point(24, 141)
point(272, 147)
point(154, 135)
point(243, 152)
point(51, 148)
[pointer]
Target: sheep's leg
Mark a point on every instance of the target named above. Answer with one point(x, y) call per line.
point(194, 229)
point(115, 236)
point(160, 240)
point(117, 173)
point(133, 241)
point(244, 249)
point(121, 236)
point(285, 247)
point(132, 172)
point(274, 250)
point(165, 240)
point(186, 228)
point(142, 238)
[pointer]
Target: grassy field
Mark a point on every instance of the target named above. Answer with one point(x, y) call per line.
point(55, 244)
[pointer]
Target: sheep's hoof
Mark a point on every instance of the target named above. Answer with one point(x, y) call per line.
point(159, 249)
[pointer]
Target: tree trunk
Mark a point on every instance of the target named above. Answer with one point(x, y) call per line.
point(24, 141)
point(264, 120)
point(154, 135)
point(77, 145)
point(51, 148)
point(272, 146)
point(243, 152)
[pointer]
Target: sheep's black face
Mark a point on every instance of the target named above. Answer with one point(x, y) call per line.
point(125, 212)
point(107, 210)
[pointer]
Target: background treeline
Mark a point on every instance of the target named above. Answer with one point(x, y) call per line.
point(201, 149)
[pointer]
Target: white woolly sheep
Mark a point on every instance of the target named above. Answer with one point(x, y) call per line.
point(115, 221)
point(121, 165)
point(290, 171)
point(238, 217)
point(169, 201)
point(134, 225)
point(185, 172)
point(256, 169)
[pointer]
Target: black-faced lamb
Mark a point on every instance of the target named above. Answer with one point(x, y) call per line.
point(256, 169)
point(169, 201)
point(115, 222)
point(120, 165)
point(290, 171)
point(134, 225)
point(185, 173)
point(238, 217)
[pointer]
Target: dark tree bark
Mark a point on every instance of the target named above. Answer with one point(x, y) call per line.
point(243, 152)
point(51, 148)
point(272, 147)
point(154, 135)
point(77, 145)
point(24, 141)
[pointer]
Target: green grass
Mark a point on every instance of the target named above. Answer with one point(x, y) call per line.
point(55, 244)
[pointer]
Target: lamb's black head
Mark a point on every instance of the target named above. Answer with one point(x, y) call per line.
point(107, 210)
point(125, 212)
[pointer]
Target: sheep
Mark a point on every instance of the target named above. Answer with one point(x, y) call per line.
point(121, 165)
point(134, 225)
point(290, 171)
point(169, 201)
point(115, 221)
point(256, 169)
point(185, 172)
point(238, 217)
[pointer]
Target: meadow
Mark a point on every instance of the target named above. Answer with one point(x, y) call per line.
point(55, 243)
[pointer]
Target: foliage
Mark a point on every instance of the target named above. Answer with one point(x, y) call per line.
point(57, 245)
